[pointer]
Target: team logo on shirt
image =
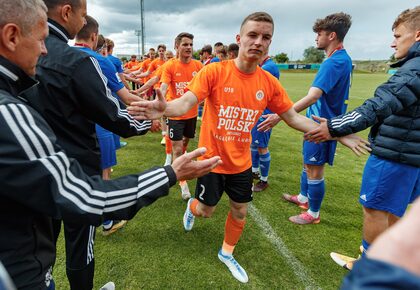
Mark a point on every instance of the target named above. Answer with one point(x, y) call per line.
point(259, 95)
point(194, 73)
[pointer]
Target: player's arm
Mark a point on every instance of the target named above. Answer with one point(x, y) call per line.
point(182, 105)
point(145, 74)
point(126, 96)
point(98, 104)
point(313, 95)
point(150, 83)
point(272, 120)
point(60, 188)
point(297, 121)
point(389, 98)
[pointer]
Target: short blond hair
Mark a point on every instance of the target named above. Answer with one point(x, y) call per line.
point(409, 17)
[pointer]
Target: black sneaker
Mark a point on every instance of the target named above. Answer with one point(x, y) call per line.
point(260, 186)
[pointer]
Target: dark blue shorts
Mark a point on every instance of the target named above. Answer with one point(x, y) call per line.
point(389, 186)
point(107, 147)
point(319, 154)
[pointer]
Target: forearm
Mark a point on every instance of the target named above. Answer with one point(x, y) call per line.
point(301, 123)
point(127, 97)
point(313, 95)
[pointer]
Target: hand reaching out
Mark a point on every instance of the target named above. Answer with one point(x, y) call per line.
point(148, 110)
point(270, 121)
point(357, 144)
point(320, 134)
point(186, 167)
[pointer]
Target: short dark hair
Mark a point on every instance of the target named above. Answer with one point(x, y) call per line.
point(258, 17)
point(109, 44)
point(91, 26)
point(101, 43)
point(338, 22)
point(218, 44)
point(161, 46)
point(207, 48)
point(180, 36)
point(234, 48)
point(54, 3)
point(409, 17)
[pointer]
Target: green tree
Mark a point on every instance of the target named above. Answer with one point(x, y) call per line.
point(392, 58)
point(196, 54)
point(281, 57)
point(313, 55)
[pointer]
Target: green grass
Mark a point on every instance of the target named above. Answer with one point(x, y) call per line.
point(154, 252)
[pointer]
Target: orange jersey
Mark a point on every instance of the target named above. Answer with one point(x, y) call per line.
point(154, 65)
point(234, 102)
point(158, 72)
point(177, 75)
point(145, 66)
point(131, 64)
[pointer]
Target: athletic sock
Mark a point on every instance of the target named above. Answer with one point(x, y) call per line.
point(255, 159)
point(316, 192)
point(304, 184)
point(163, 133)
point(265, 165)
point(233, 232)
point(168, 145)
point(366, 246)
point(193, 206)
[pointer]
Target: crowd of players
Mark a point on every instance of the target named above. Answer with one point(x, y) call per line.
point(241, 100)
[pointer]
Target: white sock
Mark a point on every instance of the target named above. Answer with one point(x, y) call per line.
point(255, 170)
point(226, 254)
point(302, 198)
point(314, 214)
point(264, 178)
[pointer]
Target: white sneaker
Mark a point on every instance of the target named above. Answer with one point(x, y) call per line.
point(237, 271)
point(108, 286)
point(185, 191)
point(168, 160)
point(188, 219)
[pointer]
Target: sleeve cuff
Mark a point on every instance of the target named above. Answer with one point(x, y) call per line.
point(171, 175)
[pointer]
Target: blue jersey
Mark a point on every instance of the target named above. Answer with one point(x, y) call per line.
point(333, 78)
point(215, 59)
point(108, 70)
point(117, 63)
point(270, 66)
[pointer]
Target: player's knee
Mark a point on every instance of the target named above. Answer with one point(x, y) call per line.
point(207, 211)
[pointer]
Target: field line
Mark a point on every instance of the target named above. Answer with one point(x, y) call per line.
point(282, 249)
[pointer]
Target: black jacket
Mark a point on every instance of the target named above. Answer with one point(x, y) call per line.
point(73, 96)
point(394, 113)
point(39, 181)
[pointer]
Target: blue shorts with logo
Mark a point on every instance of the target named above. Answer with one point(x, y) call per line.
point(388, 185)
point(260, 139)
point(319, 154)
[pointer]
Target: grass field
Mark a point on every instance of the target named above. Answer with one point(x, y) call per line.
point(154, 252)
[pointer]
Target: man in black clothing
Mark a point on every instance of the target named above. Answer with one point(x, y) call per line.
point(72, 97)
point(39, 180)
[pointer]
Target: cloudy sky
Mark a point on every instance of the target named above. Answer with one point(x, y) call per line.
point(219, 20)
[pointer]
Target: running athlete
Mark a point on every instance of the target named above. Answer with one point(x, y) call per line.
point(236, 93)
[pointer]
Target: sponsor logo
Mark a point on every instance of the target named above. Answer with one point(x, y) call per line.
point(259, 95)
point(363, 197)
point(313, 159)
point(194, 73)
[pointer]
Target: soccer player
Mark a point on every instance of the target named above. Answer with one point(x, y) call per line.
point(236, 93)
point(116, 61)
point(391, 178)
point(206, 54)
point(175, 77)
point(218, 46)
point(261, 157)
point(53, 185)
point(327, 97)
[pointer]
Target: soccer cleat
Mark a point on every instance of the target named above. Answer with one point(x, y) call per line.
point(304, 219)
point(256, 175)
point(294, 199)
point(163, 141)
point(116, 225)
point(344, 261)
point(188, 219)
point(123, 144)
point(185, 191)
point(108, 286)
point(260, 186)
point(237, 271)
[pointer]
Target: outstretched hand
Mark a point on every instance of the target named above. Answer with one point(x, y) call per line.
point(270, 121)
point(148, 110)
point(186, 167)
point(321, 133)
point(357, 144)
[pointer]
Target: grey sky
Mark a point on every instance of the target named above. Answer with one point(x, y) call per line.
point(216, 20)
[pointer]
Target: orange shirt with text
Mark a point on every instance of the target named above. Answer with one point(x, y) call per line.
point(177, 75)
point(234, 102)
